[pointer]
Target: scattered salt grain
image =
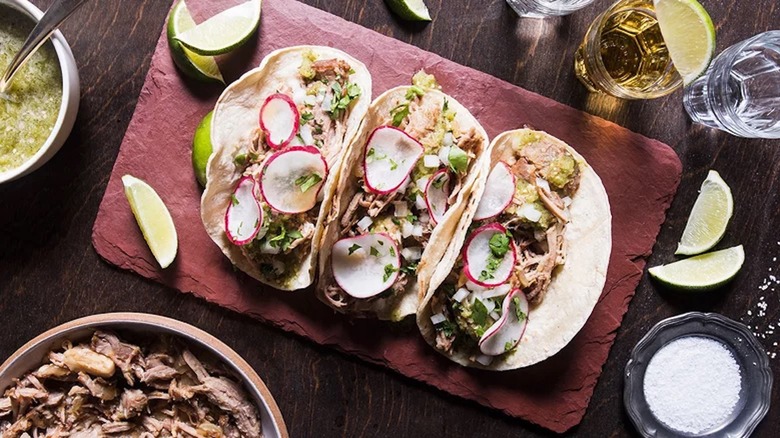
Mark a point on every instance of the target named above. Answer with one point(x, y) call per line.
point(692, 384)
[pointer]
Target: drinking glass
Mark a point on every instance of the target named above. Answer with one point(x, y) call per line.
point(740, 92)
point(546, 8)
point(624, 55)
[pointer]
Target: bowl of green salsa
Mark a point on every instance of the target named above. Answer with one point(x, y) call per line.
point(39, 108)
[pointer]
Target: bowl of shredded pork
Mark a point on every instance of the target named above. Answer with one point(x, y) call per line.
point(133, 375)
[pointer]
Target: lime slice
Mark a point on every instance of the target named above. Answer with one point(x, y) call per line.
point(710, 216)
point(703, 272)
point(153, 218)
point(410, 9)
point(201, 148)
point(202, 68)
point(689, 35)
point(224, 31)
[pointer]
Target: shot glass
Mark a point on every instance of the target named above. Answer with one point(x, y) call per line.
point(740, 92)
point(624, 55)
point(546, 8)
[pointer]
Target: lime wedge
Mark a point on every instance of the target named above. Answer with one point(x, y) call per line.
point(703, 272)
point(689, 35)
point(202, 68)
point(153, 218)
point(710, 216)
point(224, 31)
point(410, 9)
point(201, 148)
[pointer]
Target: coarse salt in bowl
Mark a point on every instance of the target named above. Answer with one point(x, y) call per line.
point(697, 375)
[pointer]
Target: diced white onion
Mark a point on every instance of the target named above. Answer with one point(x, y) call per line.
point(566, 201)
point(404, 185)
point(448, 140)
point(299, 95)
point(406, 229)
point(530, 212)
point(438, 318)
point(497, 291)
point(422, 183)
point(306, 135)
point(265, 248)
point(412, 254)
point(326, 103)
point(425, 218)
point(364, 223)
point(484, 360)
point(401, 209)
point(309, 100)
point(444, 155)
point(543, 184)
point(431, 161)
point(417, 231)
point(419, 202)
point(461, 294)
point(495, 315)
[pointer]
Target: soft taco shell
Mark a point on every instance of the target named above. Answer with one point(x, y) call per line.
point(394, 308)
point(576, 286)
point(235, 122)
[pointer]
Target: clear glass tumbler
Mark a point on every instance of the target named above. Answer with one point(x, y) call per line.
point(740, 92)
point(546, 8)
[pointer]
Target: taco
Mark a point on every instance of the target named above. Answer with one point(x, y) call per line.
point(278, 135)
point(401, 191)
point(528, 261)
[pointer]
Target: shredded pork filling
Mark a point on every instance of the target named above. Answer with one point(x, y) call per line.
point(159, 391)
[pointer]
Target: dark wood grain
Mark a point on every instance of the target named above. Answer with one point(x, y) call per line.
point(50, 274)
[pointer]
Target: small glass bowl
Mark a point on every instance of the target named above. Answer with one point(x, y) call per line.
point(754, 396)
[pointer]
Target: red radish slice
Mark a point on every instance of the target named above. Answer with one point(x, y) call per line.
point(499, 191)
point(478, 255)
point(292, 179)
point(366, 265)
point(389, 157)
point(279, 120)
point(436, 194)
point(505, 334)
point(244, 216)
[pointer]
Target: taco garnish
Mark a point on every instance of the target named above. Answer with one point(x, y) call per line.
point(409, 172)
point(509, 263)
point(283, 125)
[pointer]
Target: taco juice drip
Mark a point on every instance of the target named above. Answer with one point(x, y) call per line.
point(409, 174)
point(515, 245)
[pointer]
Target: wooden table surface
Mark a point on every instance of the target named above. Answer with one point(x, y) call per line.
point(49, 272)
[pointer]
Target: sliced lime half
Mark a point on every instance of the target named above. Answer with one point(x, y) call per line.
point(703, 272)
point(414, 10)
point(201, 148)
point(710, 216)
point(153, 218)
point(224, 31)
point(689, 35)
point(202, 68)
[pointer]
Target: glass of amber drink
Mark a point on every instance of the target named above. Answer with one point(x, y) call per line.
point(624, 55)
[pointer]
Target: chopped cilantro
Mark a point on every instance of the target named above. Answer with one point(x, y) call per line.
point(499, 244)
point(409, 268)
point(447, 327)
point(440, 180)
point(354, 248)
point(392, 251)
point(414, 91)
point(374, 252)
point(518, 312)
point(306, 116)
point(509, 346)
point(393, 164)
point(389, 270)
point(342, 97)
point(233, 200)
point(411, 218)
point(306, 182)
point(241, 159)
point(396, 221)
point(399, 113)
point(479, 313)
point(446, 106)
point(283, 239)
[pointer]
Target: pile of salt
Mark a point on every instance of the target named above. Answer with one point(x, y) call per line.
point(692, 384)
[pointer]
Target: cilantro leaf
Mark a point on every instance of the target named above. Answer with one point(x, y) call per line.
point(233, 200)
point(399, 113)
point(374, 252)
point(354, 248)
point(306, 182)
point(389, 270)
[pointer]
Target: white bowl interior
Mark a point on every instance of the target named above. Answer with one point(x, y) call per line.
point(70, 97)
point(33, 357)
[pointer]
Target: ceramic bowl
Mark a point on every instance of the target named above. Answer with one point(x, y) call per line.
point(31, 355)
point(70, 97)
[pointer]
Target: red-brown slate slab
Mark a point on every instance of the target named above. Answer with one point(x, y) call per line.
point(553, 394)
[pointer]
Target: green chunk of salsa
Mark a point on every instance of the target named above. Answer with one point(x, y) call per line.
point(29, 108)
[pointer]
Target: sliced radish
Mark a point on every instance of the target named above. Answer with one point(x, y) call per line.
point(279, 120)
point(390, 156)
point(499, 191)
point(292, 179)
point(436, 194)
point(478, 255)
point(366, 265)
point(244, 216)
point(505, 334)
